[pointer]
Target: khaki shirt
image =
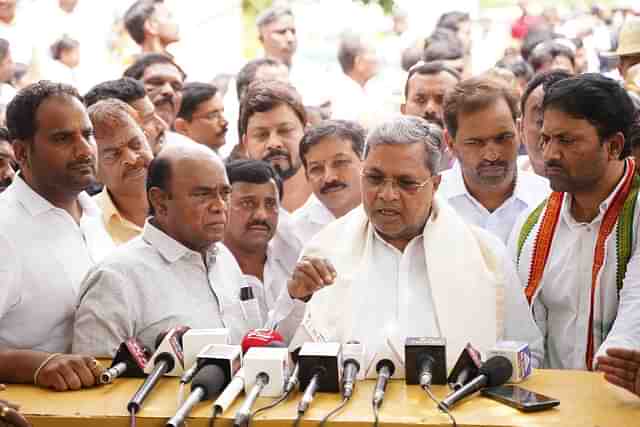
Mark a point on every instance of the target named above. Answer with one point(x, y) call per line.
point(119, 228)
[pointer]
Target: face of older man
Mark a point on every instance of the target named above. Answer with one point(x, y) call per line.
point(153, 126)
point(397, 191)
point(163, 83)
point(279, 39)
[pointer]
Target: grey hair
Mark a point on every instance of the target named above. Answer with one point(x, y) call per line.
point(272, 14)
point(406, 130)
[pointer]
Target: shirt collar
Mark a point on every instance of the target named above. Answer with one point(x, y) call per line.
point(318, 212)
point(35, 204)
point(169, 248)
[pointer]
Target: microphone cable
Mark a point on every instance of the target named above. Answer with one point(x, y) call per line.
point(214, 415)
point(334, 411)
point(427, 390)
point(271, 405)
point(132, 417)
point(376, 414)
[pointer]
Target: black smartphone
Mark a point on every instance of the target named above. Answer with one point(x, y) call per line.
point(520, 398)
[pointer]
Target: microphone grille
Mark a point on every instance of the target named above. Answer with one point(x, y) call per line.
point(498, 369)
point(211, 378)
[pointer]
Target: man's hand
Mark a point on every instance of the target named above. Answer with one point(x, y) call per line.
point(622, 367)
point(310, 275)
point(70, 372)
point(9, 415)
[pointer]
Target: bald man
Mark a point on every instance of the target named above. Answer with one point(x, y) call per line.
point(177, 272)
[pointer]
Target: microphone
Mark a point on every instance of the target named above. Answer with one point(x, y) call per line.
point(494, 372)
point(265, 373)
point(353, 354)
point(217, 364)
point(319, 371)
point(230, 393)
point(165, 360)
point(250, 307)
point(425, 361)
point(262, 338)
point(519, 355)
point(466, 367)
point(129, 361)
point(196, 340)
point(385, 369)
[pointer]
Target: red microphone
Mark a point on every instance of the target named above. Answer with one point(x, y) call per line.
point(262, 338)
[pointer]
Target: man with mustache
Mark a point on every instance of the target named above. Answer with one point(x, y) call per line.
point(201, 115)
point(51, 233)
point(123, 160)
point(330, 153)
point(424, 95)
point(484, 187)
point(402, 256)
point(7, 160)
point(163, 81)
point(132, 92)
point(177, 272)
point(577, 253)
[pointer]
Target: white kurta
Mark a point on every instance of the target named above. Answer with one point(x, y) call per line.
point(530, 190)
point(44, 255)
point(561, 303)
point(311, 217)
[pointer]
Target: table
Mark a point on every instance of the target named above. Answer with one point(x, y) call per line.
point(586, 400)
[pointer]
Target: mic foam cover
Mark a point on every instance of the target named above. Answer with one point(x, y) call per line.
point(498, 370)
point(211, 378)
point(261, 338)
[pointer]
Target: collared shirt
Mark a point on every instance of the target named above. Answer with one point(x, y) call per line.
point(311, 218)
point(44, 255)
point(562, 303)
point(153, 283)
point(530, 190)
point(119, 228)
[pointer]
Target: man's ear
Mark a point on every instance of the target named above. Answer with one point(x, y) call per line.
point(181, 126)
point(449, 141)
point(150, 27)
point(21, 150)
point(436, 182)
point(158, 199)
point(616, 145)
point(403, 109)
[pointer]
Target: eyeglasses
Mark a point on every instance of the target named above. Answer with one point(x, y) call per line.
point(408, 186)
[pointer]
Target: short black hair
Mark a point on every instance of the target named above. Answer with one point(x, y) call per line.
point(547, 51)
point(159, 175)
point(194, 94)
point(136, 70)
point(21, 111)
point(136, 16)
point(452, 20)
point(410, 57)
point(546, 79)
point(125, 89)
point(430, 69)
point(518, 66)
point(342, 129)
point(247, 74)
point(350, 47)
point(597, 99)
point(4, 135)
point(253, 172)
point(532, 39)
point(63, 43)
point(443, 51)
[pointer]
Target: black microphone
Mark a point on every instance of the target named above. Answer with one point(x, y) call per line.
point(209, 380)
point(319, 371)
point(385, 369)
point(466, 367)
point(165, 359)
point(494, 372)
point(129, 361)
point(425, 361)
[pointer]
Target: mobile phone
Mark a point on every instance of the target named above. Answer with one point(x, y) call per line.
point(520, 398)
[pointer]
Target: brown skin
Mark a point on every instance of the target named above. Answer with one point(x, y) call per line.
point(621, 367)
point(333, 170)
point(279, 39)
point(425, 96)
point(7, 11)
point(626, 62)
point(365, 66)
point(123, 159)
point(253, 221)
point(7, 160)
point(163, 83)
point(13, 417)
point(486, 144)
point(579, 163)
point(7, 67)
point(160, 30)
point(398, 216)
point(152, 125)
point(274, 136)
point(530, 126)
point(208, 125)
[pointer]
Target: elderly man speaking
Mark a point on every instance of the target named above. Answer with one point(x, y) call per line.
point(407, 264)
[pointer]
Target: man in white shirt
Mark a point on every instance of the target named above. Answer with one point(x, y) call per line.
point(577, 254)
point(51, 233)
point(530, 123)
point(266, 260)
point(407, 264)
point(330, 153)
point(277, 33)
point(151, 25)
point(177, 272)
point(484, 186)
point(201, 116)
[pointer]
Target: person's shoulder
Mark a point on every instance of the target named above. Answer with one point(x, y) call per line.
point(133, 254)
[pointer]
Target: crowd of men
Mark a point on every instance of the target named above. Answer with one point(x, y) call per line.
point(484, 210)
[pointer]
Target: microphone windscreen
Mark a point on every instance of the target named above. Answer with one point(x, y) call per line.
point(211, 378)
point(260, 338)
point(498, 369)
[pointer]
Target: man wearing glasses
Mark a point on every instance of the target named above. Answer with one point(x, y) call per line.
point(407, 264)
point(201, 115)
